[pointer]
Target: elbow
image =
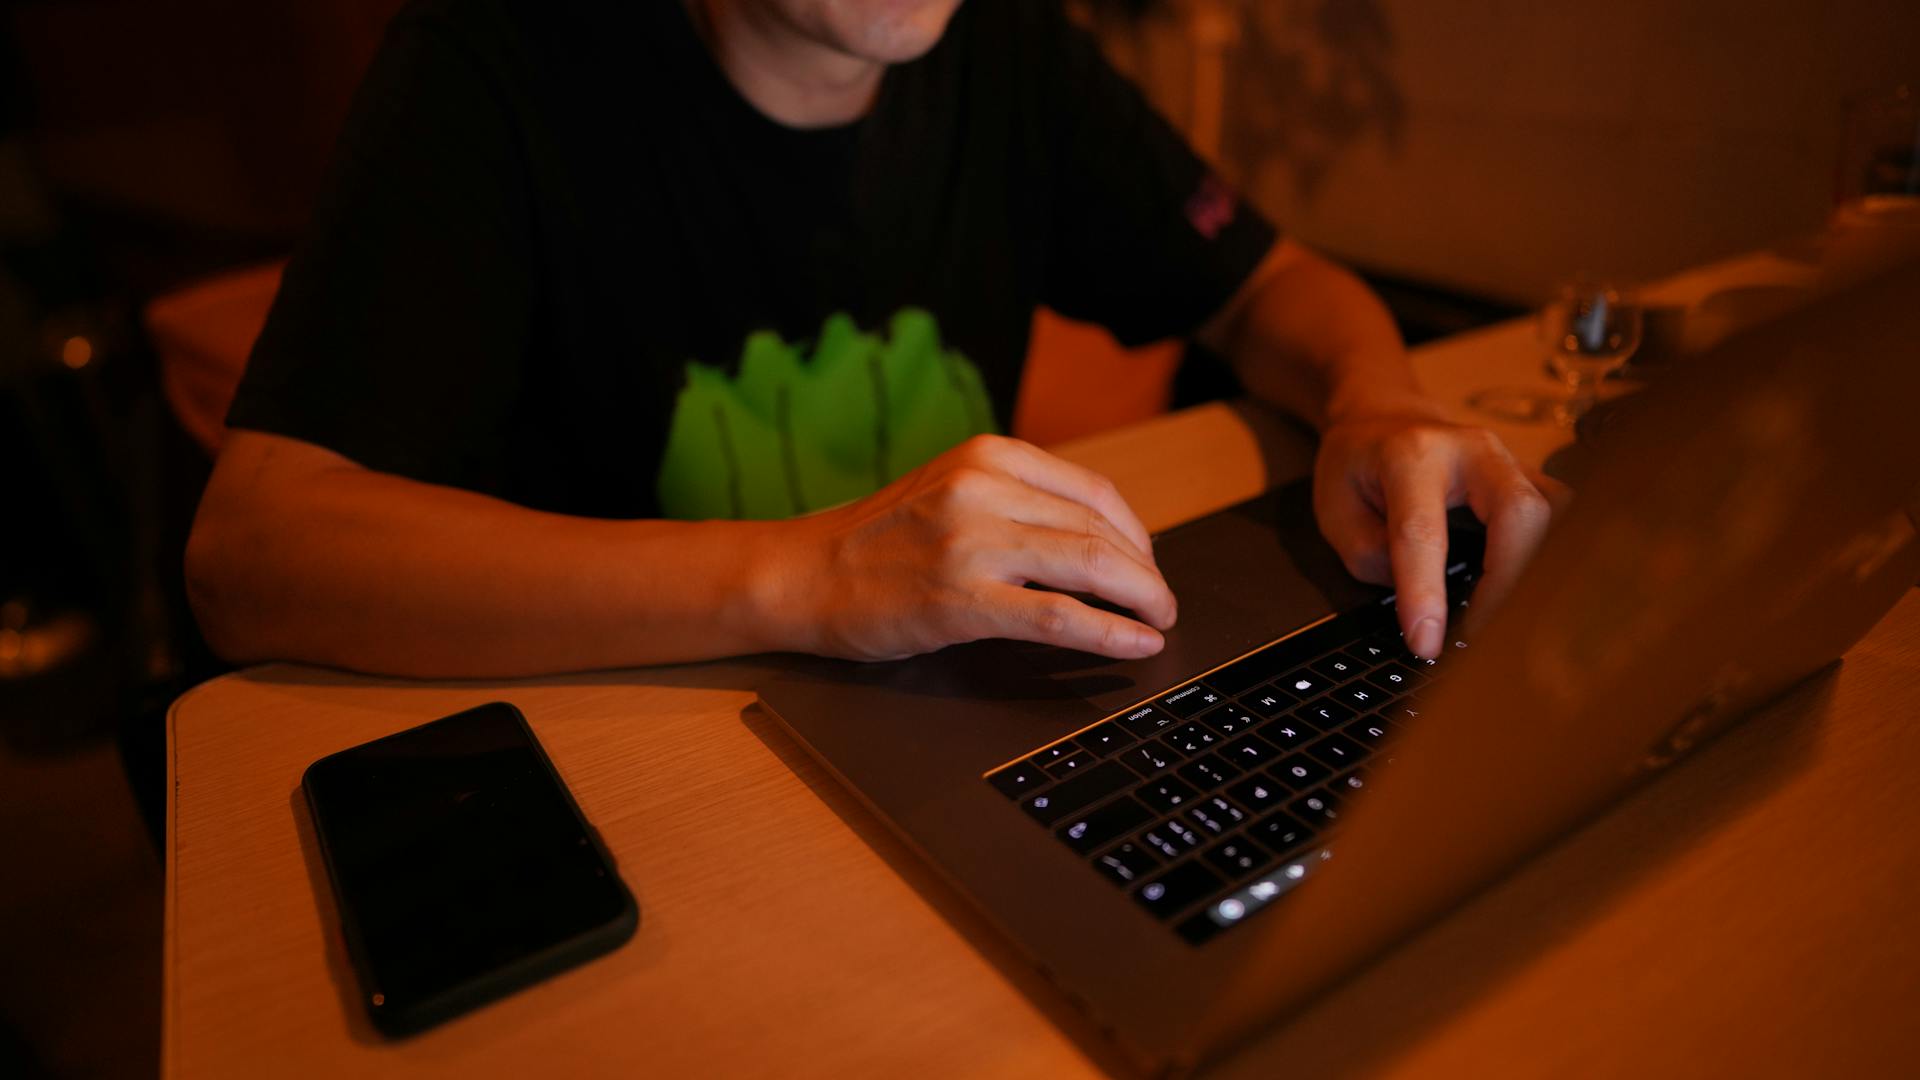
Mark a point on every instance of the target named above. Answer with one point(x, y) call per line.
point(215, 584)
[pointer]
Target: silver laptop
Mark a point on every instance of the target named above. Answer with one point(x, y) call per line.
point(1194, 845)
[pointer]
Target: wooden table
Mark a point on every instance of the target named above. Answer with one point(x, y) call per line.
point(1755, 911)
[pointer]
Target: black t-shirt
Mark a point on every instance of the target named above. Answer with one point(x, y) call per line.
point(560, 260)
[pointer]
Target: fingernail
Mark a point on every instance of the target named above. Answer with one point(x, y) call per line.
point(1425, 637)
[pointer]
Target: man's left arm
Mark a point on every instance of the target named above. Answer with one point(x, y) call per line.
point(1310, 337)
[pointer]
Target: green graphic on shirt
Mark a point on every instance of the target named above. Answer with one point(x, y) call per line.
point(794, 433)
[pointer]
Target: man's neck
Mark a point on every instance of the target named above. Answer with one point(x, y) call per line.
point(788, 76)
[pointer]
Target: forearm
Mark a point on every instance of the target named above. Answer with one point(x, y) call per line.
point(373, 572)
point(1310, 337)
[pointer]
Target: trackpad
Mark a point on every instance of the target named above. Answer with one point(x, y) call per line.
point(1244, 576)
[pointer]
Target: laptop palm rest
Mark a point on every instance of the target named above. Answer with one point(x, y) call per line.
point(1243, 576)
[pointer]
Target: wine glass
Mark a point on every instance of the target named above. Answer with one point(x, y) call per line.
point(1877, 179)
point(1590, 329)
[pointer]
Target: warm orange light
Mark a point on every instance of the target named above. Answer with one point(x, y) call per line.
point(76, 352)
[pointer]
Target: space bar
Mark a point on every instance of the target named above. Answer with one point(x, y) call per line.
point(1084, 790)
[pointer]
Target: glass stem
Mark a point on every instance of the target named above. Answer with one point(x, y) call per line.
point(1578, 403)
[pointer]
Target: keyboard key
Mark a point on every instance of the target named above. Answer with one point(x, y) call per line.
point(1149, 758)
point(1145, 721)
point(1190, 700)
point(1258, 793)
point(1303, 684)
point(1370, 730)
point(1059, 751)
point(1171, 838)
point(1216, 815)
point(1166, 793)
point(1166, 742)
point(1089, 787)
point(1351, 784)
point(1249, 751)
point(1244, 901)
point(1391, 640)
point(1016, 780)
point(1280, 832)
point(1103, 826)
point(1067, 766)
point(1393, 678)
point(1404, 710)
point(1229, 719)
point(1300, 772)
point(1337, 668)
point(1360, 697)
point(1406, 658)
point(1106, 740)
point(1126, 863)
point(1325, 714)
point(1207, 771)
point(1360, 659)
point(1177, 889)
point(1236, 857)
point(1318, 808)
point(1338, 752)
point(1192, 738)
point(1269, 701)
point(1289, 734)
point(1375, 652)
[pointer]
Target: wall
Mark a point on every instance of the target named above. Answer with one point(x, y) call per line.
point(1498, 146)
point(213, 114)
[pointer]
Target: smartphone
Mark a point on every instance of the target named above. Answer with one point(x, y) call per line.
point(462, 867)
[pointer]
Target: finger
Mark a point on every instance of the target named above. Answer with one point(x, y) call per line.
point(1078, 562)
point(1559, 495)
point(1355, 530)
point(1053, 619)
point(1027, 462)
point(1416, 489)
point(1029, 505)
point(1516, 514)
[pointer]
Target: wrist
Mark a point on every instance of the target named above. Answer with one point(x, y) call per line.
point(775, 585)
point(1385, 389)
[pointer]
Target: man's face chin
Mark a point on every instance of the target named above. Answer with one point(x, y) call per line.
point(884, 31)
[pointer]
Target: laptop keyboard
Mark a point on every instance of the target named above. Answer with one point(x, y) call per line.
point(1215, 798)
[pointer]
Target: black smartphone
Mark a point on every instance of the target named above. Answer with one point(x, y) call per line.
point(463, 869)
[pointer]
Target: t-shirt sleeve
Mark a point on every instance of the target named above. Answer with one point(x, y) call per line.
point(400, 328)
point(1145, 238)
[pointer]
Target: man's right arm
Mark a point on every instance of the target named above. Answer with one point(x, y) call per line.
point(301, 554)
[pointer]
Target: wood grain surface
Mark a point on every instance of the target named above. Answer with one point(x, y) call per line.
point(1755, 911)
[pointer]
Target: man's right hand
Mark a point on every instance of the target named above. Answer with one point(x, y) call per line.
point(943, 554)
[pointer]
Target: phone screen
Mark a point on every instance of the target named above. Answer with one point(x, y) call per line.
point(462, 866)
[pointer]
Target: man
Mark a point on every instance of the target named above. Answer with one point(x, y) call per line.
point(583, 270)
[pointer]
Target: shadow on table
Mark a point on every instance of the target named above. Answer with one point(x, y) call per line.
point(1381, 1012)
point(297, 679)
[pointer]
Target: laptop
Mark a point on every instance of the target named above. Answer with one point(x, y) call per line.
point(1194, 845)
